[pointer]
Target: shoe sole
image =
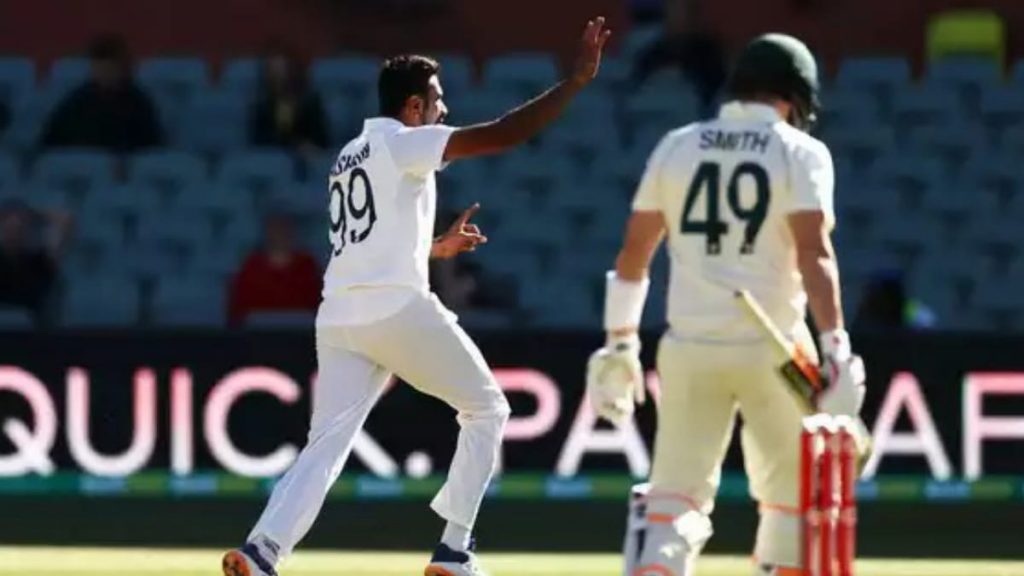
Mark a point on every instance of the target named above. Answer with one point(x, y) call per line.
point(234, 564)
point(436, 571)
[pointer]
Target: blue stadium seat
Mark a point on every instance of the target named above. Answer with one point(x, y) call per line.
point(911, 175)
point(1000, 174)
point(242, 234)
point(220, 260)
point(178, 227)
point(1017, 73)
point(213, 122)
point(130, 203)
point(99, 228)
point(352, 76)
point(241, 76)
point(861, 144)
point(842, 108)
point(17, 80)
point(298, 320)
point(525, 75)
point(964, 72)
point(173, 82)
point(615, 72)
point(935, 139)
point(480, 105)
point(639, 37)
point(106, 301)
point(1001, 108)
point(262, 172)
point(456, 73)
point(925, 104)
point(78, 172)
point(877, 74)
point(190, 302)
point(345, 115)
point(532, 170)
point(665, 101)
point(65, 75)
point(222, 202)
point(10, 174)
point(167, 170)
point(12, 319)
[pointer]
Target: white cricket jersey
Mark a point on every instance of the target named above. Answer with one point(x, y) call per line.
point(726, 187)
point(382, 205)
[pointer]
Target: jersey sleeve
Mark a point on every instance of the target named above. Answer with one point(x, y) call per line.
point(648, 194)
point(813, 180)
point(420, 150)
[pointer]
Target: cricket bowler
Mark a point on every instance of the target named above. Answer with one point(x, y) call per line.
point(746, 202)
point(378, 316)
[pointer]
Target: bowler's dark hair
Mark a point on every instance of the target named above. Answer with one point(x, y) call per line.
point(402, 77)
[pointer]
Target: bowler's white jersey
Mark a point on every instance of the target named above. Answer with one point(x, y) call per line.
point(726, 187)
point(382, 206)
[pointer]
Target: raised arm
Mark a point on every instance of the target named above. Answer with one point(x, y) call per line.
point(526, 121)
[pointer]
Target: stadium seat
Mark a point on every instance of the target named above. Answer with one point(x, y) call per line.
point(999, 175)
point(909, 174)
point(525, 75)
point(262, 172)
point(168, 171)
point(99, 227)
point(173, 82)
point(1001, 108)
point(615, 72)
point(106, 301)
point(12, 319)
point(10, 174)
point(351, 76)
point(976, 32)
point(925, 104)
point(189, 302)
point(481, 105)
point(242, 234)
point(965, 72)
point(213, 122)
point(78, 172)
point(665, 101)
point(934, 140)
point(843, 108)
point(218, 260)
point(241, 76)
point(639, 38)
point(17, 80)
point(297, 320)
point(457, 74)
point(880, 75)
point(346, 114)
point(128, 203)
point(66, 74)
point(220, 202)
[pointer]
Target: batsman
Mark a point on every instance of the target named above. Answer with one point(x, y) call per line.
point(746, 202)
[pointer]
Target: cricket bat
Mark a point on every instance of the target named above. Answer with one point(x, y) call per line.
point(798, 369)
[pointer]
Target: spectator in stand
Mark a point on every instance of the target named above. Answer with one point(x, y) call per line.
point(109, 110)
point(885, 306)
point(286, 113)
point(30, 245)
point(277, 277)
point(687, 46)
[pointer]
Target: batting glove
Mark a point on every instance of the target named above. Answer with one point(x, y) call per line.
point(615, 379)
point(843, 374)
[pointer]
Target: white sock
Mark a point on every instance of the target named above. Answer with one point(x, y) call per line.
point(456, 537)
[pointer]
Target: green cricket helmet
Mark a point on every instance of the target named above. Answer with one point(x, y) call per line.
point(779, 65)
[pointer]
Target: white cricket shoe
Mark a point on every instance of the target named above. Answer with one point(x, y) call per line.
point(246, 561)
point(448, 562)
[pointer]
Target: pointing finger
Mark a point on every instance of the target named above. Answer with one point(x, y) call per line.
point(467, 214)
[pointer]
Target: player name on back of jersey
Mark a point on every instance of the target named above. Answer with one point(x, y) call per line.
point(347, 162)
point(735, 140)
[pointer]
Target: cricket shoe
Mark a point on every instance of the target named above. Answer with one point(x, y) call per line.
point(448, 562)
point(246, 561)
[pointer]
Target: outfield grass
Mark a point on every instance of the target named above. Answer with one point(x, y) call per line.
point(35, 561)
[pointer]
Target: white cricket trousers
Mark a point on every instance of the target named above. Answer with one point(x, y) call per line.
point(423, 345)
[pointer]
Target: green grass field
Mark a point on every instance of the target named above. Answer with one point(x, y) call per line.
point(24, 561)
